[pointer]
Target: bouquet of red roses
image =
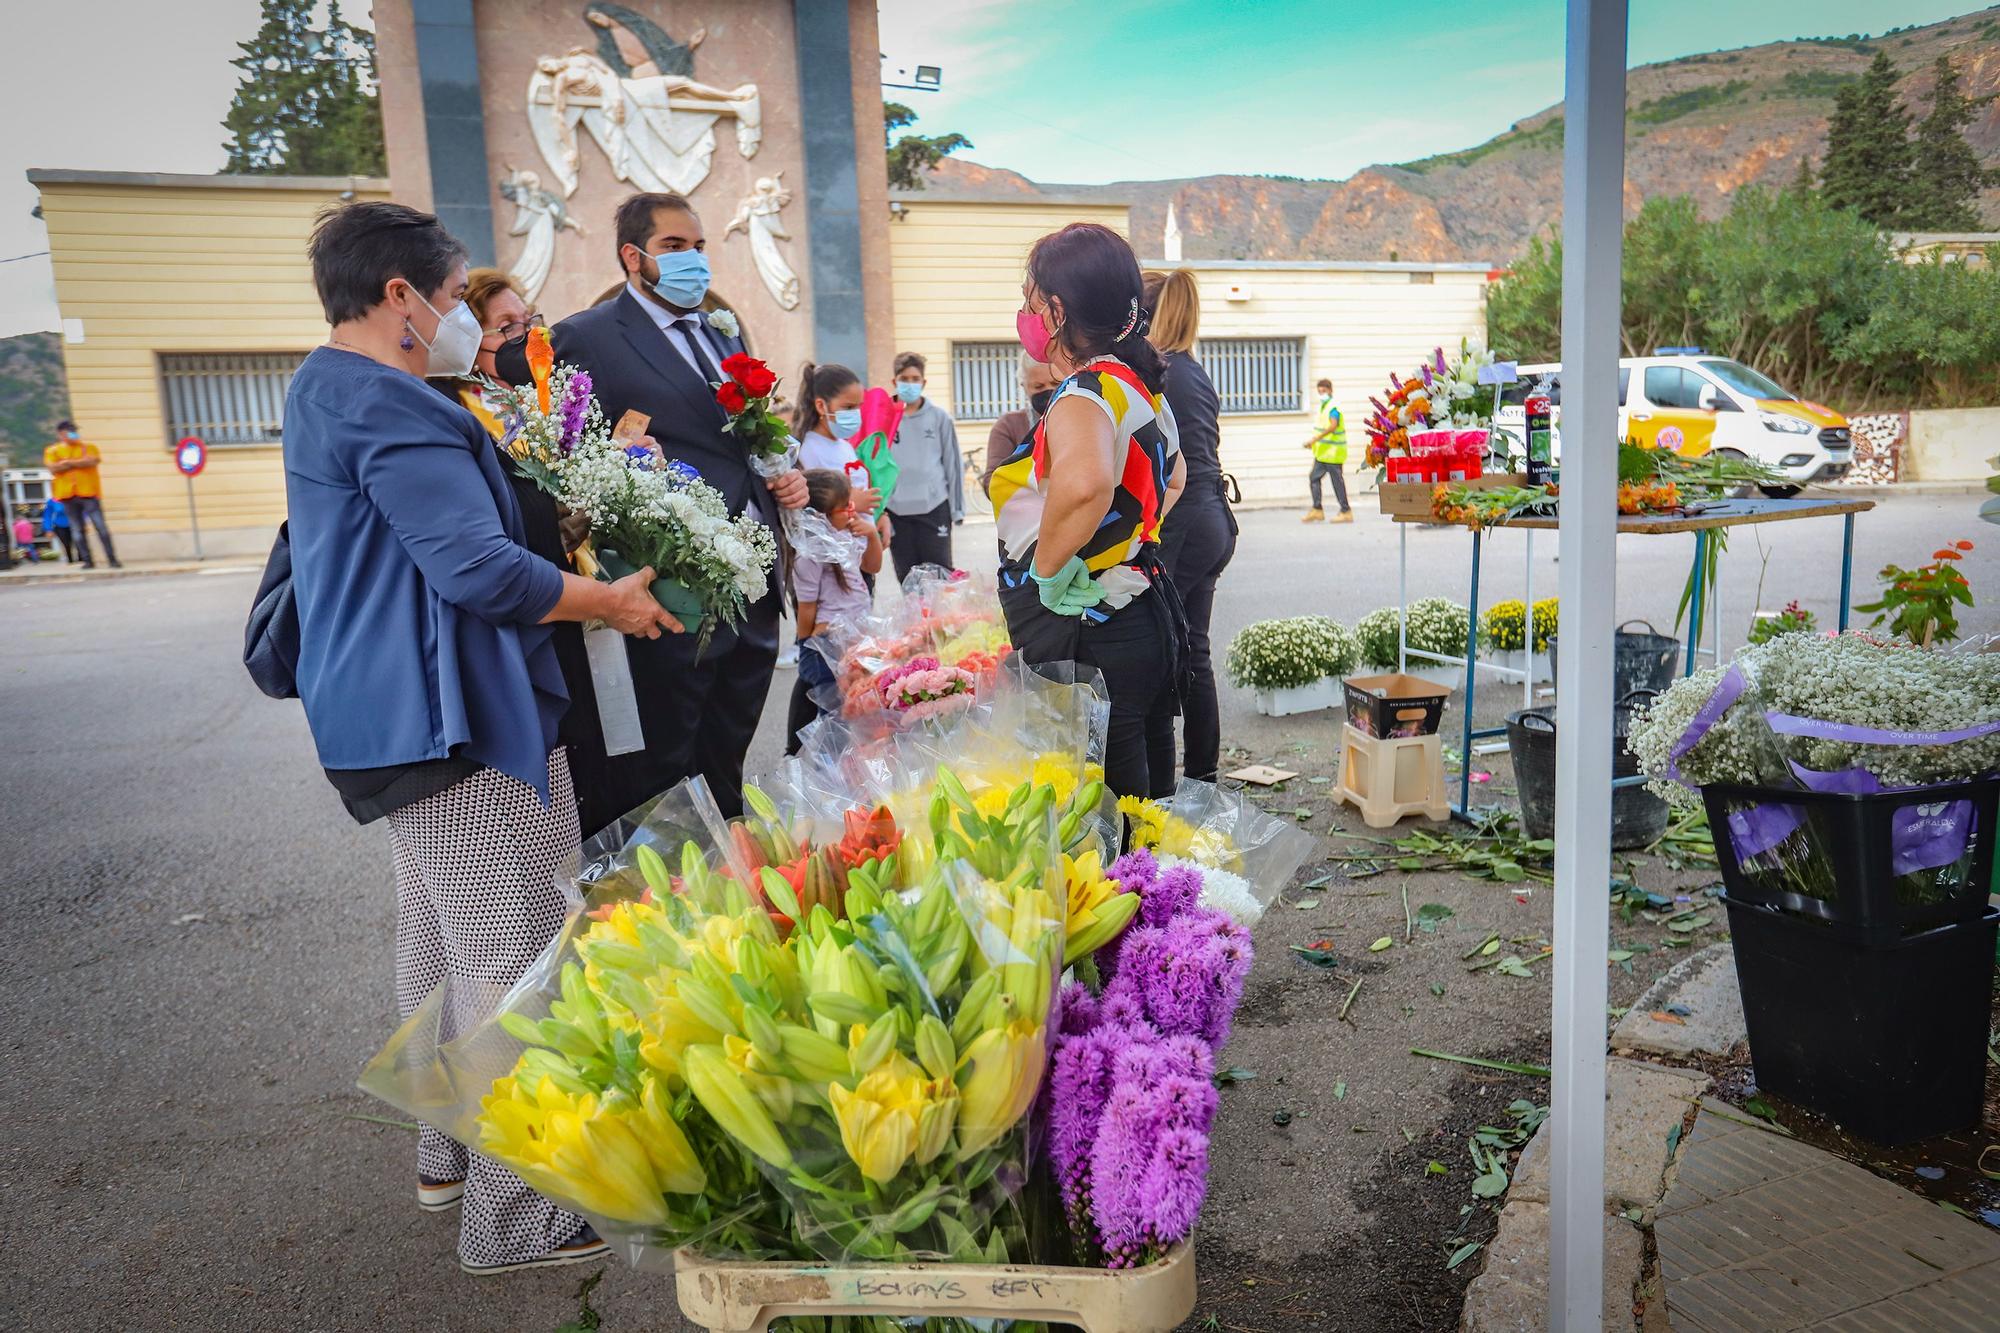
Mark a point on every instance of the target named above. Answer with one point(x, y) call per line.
point(745, 396)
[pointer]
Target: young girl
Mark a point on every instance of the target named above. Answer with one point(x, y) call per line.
point(827, 593)
point(825, 424)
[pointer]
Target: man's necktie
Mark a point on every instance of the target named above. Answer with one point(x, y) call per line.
point(695, 344)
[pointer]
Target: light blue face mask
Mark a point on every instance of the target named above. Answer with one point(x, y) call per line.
point(847, 423)
point(683, 279)
point(909, 390)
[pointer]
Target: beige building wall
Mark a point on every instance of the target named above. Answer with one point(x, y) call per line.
point(957, 278)
point(153, 264)
point(1360, 322)
point(956, 269)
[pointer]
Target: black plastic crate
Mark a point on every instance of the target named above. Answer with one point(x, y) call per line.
point(1839, 864)
point(1887, 1037)
point(1405, 706)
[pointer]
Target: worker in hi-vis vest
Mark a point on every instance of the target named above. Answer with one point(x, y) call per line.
point(1329, 451)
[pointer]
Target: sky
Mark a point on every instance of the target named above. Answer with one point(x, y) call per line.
point(1137, 89)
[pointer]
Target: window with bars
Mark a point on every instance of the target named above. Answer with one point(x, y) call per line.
point(227, 398)
point(985, 380)
point(1255, 374)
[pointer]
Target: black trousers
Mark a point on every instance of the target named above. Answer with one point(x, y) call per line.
point(1197, 543)
point(699, 713)
point(84, 508)
point(920, 539)
point(68, 542)
point(1133, 651)
point(1339, 484)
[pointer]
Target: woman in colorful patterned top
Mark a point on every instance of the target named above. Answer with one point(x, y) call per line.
point(1079, 502)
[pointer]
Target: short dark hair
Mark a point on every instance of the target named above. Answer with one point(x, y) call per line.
point(1322, 383)
point(357, 248)
point(65, 424)
point(910, 361)
point(632, 224)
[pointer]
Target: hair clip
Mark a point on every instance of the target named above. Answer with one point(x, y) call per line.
point(1131, 322)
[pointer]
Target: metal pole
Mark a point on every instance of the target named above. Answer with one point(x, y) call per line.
point(194, 522)
point(1528, 635)
point(1699, 588)
point(1402, 597)
point(1471, 685)
point(1593, 235)
point(1846, 566)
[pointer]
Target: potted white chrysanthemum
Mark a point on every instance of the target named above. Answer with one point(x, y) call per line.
point(1294, 665)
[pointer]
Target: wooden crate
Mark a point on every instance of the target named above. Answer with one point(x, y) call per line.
point(1412, 499)
point(733, 1296)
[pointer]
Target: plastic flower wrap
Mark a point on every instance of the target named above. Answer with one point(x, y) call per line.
point(1245, 856)
point(707, 563)
point(1836, 714)
point(1130, 1099)
point(947, 632)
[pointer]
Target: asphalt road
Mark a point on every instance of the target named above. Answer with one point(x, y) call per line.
point(197, 958)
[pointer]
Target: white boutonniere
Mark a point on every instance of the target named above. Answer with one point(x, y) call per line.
point(723, 322)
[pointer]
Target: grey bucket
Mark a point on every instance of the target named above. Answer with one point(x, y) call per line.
point(1638, 817)
point(1638, 661)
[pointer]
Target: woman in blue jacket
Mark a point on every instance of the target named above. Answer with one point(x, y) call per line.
point(425, 662)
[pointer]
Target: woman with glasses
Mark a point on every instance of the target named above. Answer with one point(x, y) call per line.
point(425, 664)
point(549, 529)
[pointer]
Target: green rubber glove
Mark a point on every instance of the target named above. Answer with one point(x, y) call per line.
point(1070, 591)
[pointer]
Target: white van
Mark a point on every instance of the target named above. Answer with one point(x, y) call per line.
point(1695, 404)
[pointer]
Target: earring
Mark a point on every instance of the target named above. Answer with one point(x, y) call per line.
point(409, 339)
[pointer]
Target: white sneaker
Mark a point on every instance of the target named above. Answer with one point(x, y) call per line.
point(788, 660)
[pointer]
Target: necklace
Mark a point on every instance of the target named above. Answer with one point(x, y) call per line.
point(335, 342)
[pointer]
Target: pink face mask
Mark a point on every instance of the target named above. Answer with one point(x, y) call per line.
point(1033, 333)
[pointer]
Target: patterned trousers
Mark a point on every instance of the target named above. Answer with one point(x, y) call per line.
point(477, 899)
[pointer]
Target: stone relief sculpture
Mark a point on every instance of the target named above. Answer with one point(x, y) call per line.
point(538, 215)
point(637, 97)
point(757, 217)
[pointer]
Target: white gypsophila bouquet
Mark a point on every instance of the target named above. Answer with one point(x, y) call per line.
point(642, 511)
point(1732, 751)
point(1286, 654)
point(1436, 625)
point(1854, 680)
point(1848, 680)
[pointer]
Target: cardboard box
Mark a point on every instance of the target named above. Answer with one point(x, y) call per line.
point(1412, 499)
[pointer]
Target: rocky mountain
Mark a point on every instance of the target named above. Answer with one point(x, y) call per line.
point(33, 396)
point(1702, 125)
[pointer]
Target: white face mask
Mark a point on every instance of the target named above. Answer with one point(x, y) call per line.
point(456, 344)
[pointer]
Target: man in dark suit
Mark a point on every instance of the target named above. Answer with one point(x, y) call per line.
point(651, 349)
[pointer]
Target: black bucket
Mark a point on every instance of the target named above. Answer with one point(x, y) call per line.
point(1885, 1037)
point(1638, 817)
point(1638, 661)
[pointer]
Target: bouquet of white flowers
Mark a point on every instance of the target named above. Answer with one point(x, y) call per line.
point(1844, 715)
point(707, 564)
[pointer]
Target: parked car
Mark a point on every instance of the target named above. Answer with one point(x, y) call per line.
point(1699, 404)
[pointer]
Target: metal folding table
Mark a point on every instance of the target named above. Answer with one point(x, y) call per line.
point(1712, 515)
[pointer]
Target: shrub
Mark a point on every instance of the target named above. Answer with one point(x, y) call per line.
point(1375, 634)
point(1436, 625)
point(1502, 627)
point(1285, 654)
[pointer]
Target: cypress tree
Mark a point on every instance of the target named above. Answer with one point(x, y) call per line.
point(306, 105)
point(1945, 174)
point(1868, 149)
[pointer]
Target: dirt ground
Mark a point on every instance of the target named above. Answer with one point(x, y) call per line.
point(1323, 1210)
